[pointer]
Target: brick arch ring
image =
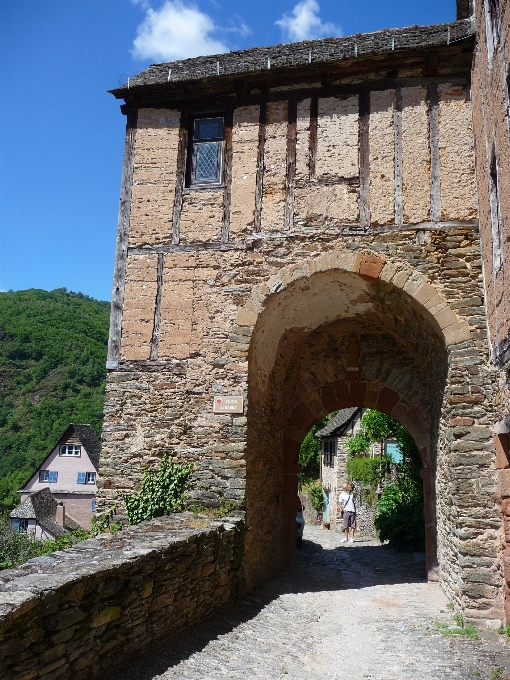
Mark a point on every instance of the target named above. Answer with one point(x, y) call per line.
point(372, 267)
point(313, 406)
point(345, 394)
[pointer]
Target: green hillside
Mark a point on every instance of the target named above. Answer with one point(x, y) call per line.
point(52, 372)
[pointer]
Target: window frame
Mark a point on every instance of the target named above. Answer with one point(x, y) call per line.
point(190, 182)
point(329, 452)
point(64, 447)
point(48, 480)
point(91, 478)
point(20, 524)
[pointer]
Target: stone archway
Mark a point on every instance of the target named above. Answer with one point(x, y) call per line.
point(350, 329)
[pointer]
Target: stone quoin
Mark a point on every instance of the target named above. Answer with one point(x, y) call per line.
point(299, 226)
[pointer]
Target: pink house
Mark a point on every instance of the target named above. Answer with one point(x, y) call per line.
point(70, 474)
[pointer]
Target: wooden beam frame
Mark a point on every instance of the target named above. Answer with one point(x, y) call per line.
point(121, 247)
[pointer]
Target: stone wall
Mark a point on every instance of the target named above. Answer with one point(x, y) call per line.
point(79, 612)
point(491, 102)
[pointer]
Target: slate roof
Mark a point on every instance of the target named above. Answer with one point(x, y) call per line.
point(42, 507)
point(90, 441)
point(337, 425)
point(323, 51)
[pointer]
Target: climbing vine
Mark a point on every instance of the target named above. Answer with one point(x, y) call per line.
point(162, 491)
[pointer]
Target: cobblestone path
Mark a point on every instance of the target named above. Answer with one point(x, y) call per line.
point(347, 612)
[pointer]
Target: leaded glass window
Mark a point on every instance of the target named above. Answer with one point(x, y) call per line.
point(207, 148)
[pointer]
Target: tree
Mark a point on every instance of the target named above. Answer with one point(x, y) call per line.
point(52, 372)
point(310, 453)
point(400, 516)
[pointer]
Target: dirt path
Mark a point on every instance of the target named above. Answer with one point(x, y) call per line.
point(348, 612)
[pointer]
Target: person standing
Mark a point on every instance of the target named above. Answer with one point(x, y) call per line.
point(346, 502)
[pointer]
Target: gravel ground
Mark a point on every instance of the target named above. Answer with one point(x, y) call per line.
point(346, 612)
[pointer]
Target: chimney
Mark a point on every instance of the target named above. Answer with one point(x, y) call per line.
point(61, 514)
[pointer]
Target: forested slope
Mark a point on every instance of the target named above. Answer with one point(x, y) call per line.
point(52, 372)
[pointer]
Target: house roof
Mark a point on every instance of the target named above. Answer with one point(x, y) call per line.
point(338, 424)
point(87, 437)
point(42, 507)
point(298, 55)
point(90, 441)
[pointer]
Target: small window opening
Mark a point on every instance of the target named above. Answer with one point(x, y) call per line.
point(70, 450)
point(497, 251)
point(20, 525)
point(206, 151)
point(329, 452)
point(48, 476)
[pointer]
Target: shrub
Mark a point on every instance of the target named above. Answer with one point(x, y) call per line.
point(18, 547)
point(368, 471)
point(316, 496)
point(400, 518)
point(161, 493)
point(15, 547)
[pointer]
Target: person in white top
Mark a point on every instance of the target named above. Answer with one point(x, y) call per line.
point(346, 502)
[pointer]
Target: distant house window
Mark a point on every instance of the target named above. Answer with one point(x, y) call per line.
point(497, 248)
point(48, 476)
point(86, 478)
point(70, 450)
point(93, 507)
point(329, 450)
point(206, 151)
point(20, 525)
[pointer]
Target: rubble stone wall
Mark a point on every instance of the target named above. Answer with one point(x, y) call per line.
point(491, 123)
point(79, 612)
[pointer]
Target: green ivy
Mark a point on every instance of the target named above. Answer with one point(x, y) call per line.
point(161, 493)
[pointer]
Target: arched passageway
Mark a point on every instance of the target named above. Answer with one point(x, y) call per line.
point(337, 336)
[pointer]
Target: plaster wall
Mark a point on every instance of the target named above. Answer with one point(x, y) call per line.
point(275, 160)
point(382, 158)
point(245, 143)
point(67, 468)
point(415, 155)
point(154, 176)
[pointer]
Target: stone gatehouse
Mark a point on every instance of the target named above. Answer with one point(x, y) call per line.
point(298, 226)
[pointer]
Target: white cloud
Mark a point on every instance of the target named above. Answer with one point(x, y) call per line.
point(176, 31)
point(304, 23)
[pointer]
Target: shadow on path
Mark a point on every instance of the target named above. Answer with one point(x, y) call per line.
point(318, 569)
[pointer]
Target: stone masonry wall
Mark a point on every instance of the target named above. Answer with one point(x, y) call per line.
point(79, 612)
point(491, 123)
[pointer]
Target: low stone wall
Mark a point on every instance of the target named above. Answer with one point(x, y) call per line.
point(76, 612)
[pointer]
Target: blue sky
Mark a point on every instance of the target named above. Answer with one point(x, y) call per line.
point(62, 135)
